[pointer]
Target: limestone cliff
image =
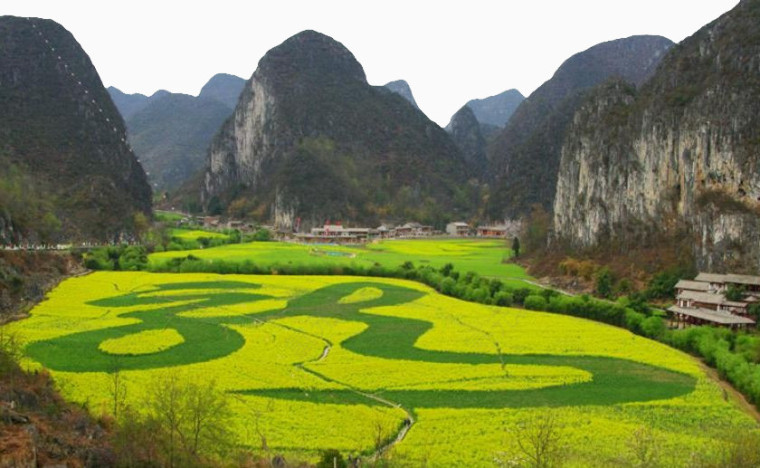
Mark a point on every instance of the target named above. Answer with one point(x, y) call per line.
point(66, 170)
point(524, 157)
point(678, 158)
point(311, 139)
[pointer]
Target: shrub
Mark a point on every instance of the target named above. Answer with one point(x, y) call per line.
point(653, 327)
point(503, 298)
point(604, 283)
point(535, 302)
point(520, 294)
point(331, 459)
point(262, 235)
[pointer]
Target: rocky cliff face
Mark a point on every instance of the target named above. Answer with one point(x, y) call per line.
point(466, 132)
point(67, 171)
point(402, 88)
point(524, 157)
point(311, 139)
point(496, 110)
point(678, 158)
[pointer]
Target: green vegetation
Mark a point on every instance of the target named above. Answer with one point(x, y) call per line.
point(120, 258)
point(167, 216)
point(26, 207)
point(487, 257)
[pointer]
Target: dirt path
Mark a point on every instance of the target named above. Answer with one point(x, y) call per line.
point(730, 392)
point(402, 430)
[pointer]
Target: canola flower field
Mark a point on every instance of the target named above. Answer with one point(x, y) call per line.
point(484, 256)
point(317, 362)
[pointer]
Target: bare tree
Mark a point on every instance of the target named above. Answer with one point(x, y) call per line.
point(117, 389)
point(193, 417)
point(207, 413)
point(166, 403)
point(539, 441)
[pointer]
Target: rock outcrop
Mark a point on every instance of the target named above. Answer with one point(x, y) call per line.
point(524, 157)
point(311, 139)
point(67, 171)
point(678, 158)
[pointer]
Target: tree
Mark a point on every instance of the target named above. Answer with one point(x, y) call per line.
point(734, 293)
point(141, 223)
point(165, 406)
point(516, 247)
point(192, 418)
point(754, 311)
point(207, 411)
point(604, 283)
point(536, 229)
point(116, 388)
point(539, 441)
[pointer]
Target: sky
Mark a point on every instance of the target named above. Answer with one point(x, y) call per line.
point(448, 51)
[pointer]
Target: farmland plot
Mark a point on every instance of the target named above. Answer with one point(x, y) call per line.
point(340, 362)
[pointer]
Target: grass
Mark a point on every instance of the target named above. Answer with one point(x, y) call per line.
point(167, 216)
point(469, 373)
point(195, 234)
point(486, 257)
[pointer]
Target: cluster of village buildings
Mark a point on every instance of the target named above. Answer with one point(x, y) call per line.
point(336, 232)
point(702, 301)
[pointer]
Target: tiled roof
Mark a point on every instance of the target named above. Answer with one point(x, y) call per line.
point(693, 285)
point(731, 278)
point(723, 318)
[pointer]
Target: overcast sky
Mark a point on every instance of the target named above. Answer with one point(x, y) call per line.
point(448, 51)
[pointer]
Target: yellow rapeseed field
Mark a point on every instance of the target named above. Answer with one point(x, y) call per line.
point(311, 363)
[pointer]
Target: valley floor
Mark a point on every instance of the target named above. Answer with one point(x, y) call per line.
point(472, 382)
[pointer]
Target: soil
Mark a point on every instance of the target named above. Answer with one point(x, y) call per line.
point(26, 277)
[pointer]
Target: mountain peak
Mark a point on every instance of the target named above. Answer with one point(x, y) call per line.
point(310, 55)
point(224, 88)
point(402, 88)
point(496, 110)
point(64, 141)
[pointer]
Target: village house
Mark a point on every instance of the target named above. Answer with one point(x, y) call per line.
point(382, 232)
point(330, 233)
point(211, 221)
point(458, 229)
point(413, 229)
point(498, 231)
point(702, 301)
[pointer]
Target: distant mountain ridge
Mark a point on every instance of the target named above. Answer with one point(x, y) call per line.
point(312, 140)
point(223, 88)
point(467, 134)
point(171, 132)
point(496, 110)
point(524, 157)
point(67, 171)
point(403, 89)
